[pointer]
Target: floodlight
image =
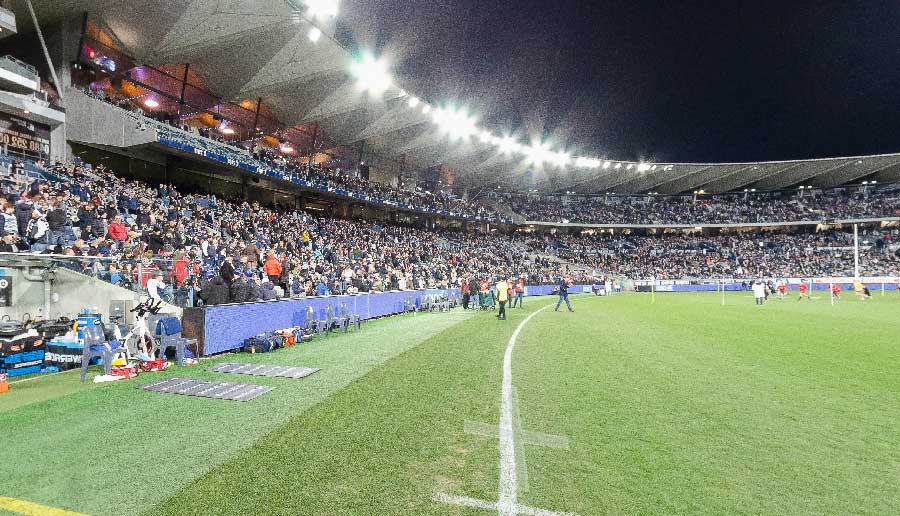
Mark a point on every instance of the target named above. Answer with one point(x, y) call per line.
point(413, 102)
point(322, 8)
point(315, 34)
point(539, 153)
point(151, 103)
point(508, 145)
point(606, 164)
point(456, 122)
point(371, 74)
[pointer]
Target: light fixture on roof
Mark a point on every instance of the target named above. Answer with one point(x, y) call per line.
point(583, 162)
point(486, 137)
point(643, 167)
point(286, 148)
point(539, 153)
point(562, 159)
point(371, 74)
point(26, 112)
point(314, 34)
point(508, 145)
point(224, 129)
point(457, 123)
point(413, 102)
point(321, 8)
point(606, 164)
point(151, 103)
point(426, 109)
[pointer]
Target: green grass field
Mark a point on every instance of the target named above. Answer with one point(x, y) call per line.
point(682, 407)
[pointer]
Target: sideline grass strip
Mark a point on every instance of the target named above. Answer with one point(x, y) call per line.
point(154, 444)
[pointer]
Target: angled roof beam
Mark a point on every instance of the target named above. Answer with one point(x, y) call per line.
point(809, 170)
point(736, 180)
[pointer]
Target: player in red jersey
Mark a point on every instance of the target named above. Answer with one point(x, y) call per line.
point(782, 288)
point(836, 291)
point(804, 291)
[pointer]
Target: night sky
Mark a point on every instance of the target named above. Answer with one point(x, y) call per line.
point(664, 81)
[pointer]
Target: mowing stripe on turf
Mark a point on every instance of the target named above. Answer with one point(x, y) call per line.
point(33, 509)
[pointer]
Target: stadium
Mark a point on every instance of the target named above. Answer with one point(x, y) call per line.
point(253, 261)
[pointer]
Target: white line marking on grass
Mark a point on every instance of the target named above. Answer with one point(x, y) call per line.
point(465, 501)
point(509, 485)
point(508, 503)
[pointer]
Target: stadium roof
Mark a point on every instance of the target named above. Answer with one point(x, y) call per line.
point(257, 49)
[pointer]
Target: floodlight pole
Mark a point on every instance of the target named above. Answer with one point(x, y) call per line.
point(856, 251)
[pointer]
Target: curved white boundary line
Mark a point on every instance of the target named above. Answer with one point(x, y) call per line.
point(508, 504)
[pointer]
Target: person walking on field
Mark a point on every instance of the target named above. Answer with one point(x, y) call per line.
point(502, 298)
point(563, 286)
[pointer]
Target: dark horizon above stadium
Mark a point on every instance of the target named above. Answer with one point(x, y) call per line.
point(637, 80)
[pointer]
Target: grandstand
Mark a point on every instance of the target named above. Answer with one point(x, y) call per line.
point(326, 252)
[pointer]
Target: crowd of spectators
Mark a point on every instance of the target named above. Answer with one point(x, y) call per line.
point(233, 250)
point(743, 255)
point(849, 202)
point(263, 157)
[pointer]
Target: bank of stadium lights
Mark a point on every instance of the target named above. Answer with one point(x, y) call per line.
point(371, 74)
point(413, 102)
point(151, 103)
point(314, 34)
point(583, 162)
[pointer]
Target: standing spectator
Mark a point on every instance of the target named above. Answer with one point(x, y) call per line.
point(519, 292)
point(563, 286)
point(272, 268)
point(502, 296)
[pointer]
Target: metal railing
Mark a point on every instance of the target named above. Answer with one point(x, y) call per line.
point(17, 67)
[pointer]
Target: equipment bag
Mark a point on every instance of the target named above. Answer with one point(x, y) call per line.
point(23, 340)
point(288, 338)
point(19, 364)
point(258, 344)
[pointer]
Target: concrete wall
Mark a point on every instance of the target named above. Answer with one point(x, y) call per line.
point(94, 122)
point(69, 293)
